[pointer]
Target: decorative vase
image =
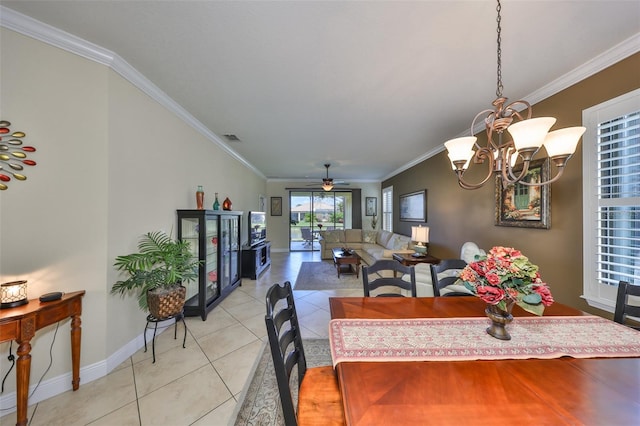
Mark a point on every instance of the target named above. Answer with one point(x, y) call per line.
point(216, 204)
point(226, 204)
point(200, 198)
point(499, 319)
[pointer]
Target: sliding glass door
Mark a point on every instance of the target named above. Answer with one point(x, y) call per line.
point(314, 211)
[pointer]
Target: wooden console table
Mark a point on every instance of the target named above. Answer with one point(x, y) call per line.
point(22, 322)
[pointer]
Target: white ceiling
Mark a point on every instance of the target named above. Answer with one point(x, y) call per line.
point(369, 87)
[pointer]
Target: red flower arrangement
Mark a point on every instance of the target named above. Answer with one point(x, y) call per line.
point(506, 275)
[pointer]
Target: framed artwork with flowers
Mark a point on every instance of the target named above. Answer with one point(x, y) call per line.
point(525, 205)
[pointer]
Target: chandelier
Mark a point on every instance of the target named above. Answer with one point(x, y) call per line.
point(528, 135)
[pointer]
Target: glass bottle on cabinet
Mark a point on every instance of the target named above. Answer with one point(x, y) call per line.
point(215, 241)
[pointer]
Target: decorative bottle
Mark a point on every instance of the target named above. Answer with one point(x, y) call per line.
point(216, 204)
point(200, 198)
point(226, 204)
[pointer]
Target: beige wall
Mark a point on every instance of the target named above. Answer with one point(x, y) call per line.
point(112, 165)
point(456, 215)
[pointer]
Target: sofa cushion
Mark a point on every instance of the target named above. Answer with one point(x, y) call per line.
point(353, 235)
point(383, 238)
point(369, 236)
point(398, 242)
point(333, 236)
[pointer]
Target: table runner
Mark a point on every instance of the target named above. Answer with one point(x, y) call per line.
point(461, 339)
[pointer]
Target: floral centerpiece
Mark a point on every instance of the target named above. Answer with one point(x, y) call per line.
point(505, 276)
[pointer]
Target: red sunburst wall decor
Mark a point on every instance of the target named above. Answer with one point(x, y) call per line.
point(13, 155)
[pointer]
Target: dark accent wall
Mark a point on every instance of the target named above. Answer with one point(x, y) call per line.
point(456, 215)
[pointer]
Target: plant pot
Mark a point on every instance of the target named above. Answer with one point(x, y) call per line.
point(166, 302)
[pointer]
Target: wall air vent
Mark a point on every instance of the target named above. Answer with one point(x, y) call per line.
point(231, 137)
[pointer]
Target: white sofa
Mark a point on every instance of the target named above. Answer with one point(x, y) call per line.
point(371, 245)
point(424, 286)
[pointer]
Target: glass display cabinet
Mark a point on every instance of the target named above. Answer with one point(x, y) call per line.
point(214, 238)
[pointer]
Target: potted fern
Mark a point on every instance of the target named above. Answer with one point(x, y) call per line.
point(157, 272)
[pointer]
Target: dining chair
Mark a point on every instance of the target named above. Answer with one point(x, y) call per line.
point(623, 306)
point(307, 236)
point(319, 398)
point(444, 276)
point(383, 268)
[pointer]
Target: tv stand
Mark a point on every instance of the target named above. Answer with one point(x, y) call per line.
point(255, 260)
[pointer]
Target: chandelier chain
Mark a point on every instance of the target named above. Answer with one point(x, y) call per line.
point(499, 52)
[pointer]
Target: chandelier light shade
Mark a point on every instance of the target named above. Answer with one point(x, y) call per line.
point(420, 234)
point(528, 136)
point(13, 294)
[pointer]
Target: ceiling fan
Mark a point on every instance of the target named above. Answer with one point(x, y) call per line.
point(328, 183)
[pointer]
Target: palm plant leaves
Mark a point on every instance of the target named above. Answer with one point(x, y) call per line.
point(159, 262)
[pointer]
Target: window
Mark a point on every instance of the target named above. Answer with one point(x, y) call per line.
point(611, 184)
point(387, 209)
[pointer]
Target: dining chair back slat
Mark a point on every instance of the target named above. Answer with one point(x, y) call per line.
point(624, 307)
point(397, 270)
point(445, 274)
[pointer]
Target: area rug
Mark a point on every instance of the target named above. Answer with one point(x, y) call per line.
point(260, 403)
point(323, 276)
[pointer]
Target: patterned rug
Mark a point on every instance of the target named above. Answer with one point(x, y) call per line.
point(323, 276)
point(260, 403)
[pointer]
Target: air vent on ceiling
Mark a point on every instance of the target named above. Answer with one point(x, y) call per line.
point(231, 137)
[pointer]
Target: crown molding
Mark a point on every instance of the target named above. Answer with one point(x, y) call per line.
point(48, 34)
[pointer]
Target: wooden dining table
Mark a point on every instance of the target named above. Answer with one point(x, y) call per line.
point(559, 391)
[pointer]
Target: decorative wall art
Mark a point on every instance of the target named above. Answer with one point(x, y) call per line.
point(13, 156)
point(371, 206)
point(276, 206)
point(413, 206)
point(525, 206)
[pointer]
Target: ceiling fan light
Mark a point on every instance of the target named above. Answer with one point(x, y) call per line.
point(327, 184)
point(530, 133)
point(563, 141)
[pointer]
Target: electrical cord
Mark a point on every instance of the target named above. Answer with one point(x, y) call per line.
point(12, 358)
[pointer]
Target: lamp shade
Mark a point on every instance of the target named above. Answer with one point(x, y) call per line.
point(460, 149)
point(420, 234)
point(327, 184)
point(530, 133)
point(13, 294)
point(563, 141)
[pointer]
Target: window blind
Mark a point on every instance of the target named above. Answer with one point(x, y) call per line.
point(618, 197)
point(387, 209)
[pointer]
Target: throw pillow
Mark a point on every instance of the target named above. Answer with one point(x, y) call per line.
point(369, 236)
point(335, 236)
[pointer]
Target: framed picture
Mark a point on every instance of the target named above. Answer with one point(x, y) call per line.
point(276, 206)
point(371, 206)
point(525, 206)
point(413, 206)
point(262, 203)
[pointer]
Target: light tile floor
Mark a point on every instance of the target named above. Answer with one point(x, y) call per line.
point(201, 384)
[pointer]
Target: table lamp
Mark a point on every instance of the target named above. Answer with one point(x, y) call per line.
point(13, 294)
point(420, 234)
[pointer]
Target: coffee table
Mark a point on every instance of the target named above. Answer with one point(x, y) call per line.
point(346, 263)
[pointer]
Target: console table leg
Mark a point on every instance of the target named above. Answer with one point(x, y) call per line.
point(23, 371)
point(76, 334)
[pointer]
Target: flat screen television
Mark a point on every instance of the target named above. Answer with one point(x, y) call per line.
point(257, 228)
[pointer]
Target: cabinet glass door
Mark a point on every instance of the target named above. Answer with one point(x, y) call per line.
point(211, 261)
point(190, 230)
